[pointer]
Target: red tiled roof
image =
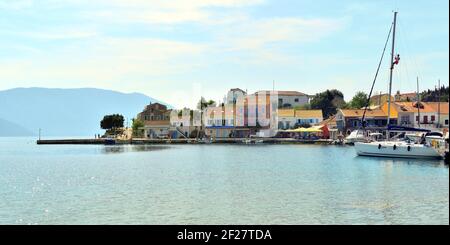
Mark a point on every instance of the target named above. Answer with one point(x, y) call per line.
point(359, 113)
point(443, 106)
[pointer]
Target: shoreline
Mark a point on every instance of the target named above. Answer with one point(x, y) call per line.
point(181, 141)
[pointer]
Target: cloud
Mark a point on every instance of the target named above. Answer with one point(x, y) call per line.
point(256, 34)
point(165, 12)
point(55, 34)
point(105, 60)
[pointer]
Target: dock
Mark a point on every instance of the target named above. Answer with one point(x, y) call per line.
point(179, 141)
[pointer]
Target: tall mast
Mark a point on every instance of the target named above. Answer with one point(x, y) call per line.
point(390, 75)
point(439, 103)
point(418, 103)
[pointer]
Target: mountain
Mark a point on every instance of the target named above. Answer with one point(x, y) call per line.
point(64, 112)
point(8, 128)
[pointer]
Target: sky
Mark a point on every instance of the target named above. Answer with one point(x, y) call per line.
point(179, 50)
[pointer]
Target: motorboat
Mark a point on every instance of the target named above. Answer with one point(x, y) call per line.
point(355, 136)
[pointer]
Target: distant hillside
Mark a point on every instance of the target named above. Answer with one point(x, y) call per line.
point(65, 112)
point(8, 128)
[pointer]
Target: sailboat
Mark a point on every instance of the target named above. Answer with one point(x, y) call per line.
point(397, 148)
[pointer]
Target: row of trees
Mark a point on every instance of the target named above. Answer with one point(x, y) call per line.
point(330, 101)
point(441, 94)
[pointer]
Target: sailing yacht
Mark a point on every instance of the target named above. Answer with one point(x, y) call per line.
point(398, 148)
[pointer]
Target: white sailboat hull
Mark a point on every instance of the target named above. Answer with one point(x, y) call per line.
point(401, 150)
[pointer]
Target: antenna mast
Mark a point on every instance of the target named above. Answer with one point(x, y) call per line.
point(418, 103)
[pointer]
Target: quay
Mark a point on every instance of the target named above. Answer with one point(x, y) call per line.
point(181, 141)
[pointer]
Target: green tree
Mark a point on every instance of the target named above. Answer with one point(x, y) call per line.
point(202, 104)
point(328, 101)
point(359, 100)
point(137, 127)
point(434, 95)
point(112, 122)
point(303, 107)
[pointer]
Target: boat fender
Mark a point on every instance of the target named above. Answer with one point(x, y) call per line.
point(379, 146)
point(409, 148)
point(395, 147)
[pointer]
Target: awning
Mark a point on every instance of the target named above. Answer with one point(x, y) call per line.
point(303, 130)
point(408, 129)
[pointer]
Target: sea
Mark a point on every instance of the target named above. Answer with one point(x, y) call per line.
point(215, 184)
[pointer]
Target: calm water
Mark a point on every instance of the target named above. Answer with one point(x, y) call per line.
point(215, 184)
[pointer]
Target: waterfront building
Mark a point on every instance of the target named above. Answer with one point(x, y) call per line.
point(253, 114)
point(286, 119)
point(379, 99)
point(429, 112)
point(427, 116)
point(348, 120)
point(443, 109)
point(312, 117)
point(156, 118)
point(234, 94)
point(289, 99)
point(290, 118)
point(184, 123)
point(222, 122)
point(405, 97)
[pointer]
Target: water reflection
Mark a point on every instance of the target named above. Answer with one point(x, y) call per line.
point(132, 148)
point(407, 161)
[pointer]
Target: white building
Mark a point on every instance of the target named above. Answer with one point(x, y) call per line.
point(290, 99)
point(234, 94)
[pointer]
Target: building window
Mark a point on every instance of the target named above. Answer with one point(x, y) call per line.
point(446, 122)
point(296, 100)
point(433, 118)
point(417, 118)
point(425, 119)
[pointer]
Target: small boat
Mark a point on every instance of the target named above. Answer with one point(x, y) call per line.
point(205, 141)
point(252, 141)
point(355, 136)
point(110, 141)
point(246, 141)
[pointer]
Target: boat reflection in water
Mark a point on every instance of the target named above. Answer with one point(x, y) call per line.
point(132, 148)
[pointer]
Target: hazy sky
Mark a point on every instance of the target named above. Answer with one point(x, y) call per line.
point(168, 49)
